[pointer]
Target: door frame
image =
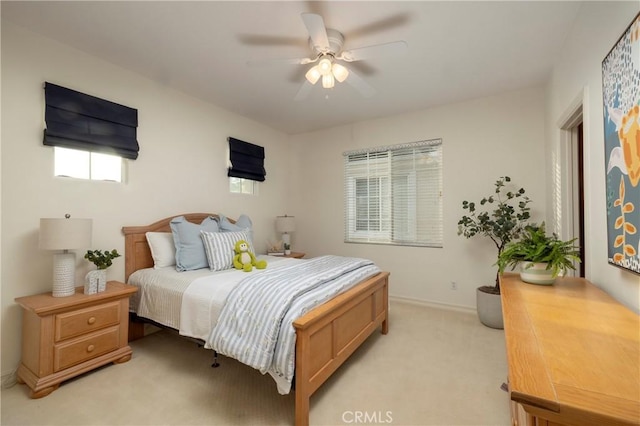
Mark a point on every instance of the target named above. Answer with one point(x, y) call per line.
point(568, 174)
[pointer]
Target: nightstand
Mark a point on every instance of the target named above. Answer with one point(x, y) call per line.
point(295, 254)
point(63, 337)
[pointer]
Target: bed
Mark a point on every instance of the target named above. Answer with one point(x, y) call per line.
point(325, 336)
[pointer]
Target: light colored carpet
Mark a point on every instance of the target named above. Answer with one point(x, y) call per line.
point(435, 367)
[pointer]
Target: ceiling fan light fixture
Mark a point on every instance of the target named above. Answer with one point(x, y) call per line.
point(324, 66)
point(313, 75)
point(328, 81)
point(340, 72)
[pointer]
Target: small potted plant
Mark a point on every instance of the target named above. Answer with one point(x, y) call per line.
point(96, 281)
point(501, 217)
point(541, 257)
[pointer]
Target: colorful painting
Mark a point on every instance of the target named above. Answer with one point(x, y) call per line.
point(621, 96)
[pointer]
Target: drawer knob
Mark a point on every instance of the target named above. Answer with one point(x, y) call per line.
point(91, 320)
point(90, 348)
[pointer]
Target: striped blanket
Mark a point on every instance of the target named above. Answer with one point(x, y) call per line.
point(255, 325)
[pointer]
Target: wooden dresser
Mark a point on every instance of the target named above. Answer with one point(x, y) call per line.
point(573, 354)
point(63, 337)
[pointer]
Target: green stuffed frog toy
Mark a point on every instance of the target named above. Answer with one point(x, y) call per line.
point(246, 260)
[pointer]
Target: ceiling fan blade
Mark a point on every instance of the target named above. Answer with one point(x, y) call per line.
point(375, 51)
point(360, 85)
point(317, 31)
point(304, 91)
point(284, 61)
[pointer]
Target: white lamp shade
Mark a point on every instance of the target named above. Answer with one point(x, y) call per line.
point(65, 234)
point(313, 75)
point(285, 224)
point(340, 72)
point(328, 81)
point(324, 66)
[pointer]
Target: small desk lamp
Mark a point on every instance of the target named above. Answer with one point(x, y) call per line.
point(64, 234)
point(285, 225)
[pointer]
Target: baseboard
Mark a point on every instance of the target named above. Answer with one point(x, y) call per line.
point(430, 304)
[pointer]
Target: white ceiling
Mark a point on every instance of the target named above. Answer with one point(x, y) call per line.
point(457, 50)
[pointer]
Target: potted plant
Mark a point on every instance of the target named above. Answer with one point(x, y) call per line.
point(96, 281)
point(541, 257)
point(501, 217)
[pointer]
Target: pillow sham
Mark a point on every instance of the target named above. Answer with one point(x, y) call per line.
point(220, 247)
point(242, 224)
point(163, 250)
point(190, 252)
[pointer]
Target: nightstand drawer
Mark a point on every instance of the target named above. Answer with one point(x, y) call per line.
point(86, 320)
point(84, 348)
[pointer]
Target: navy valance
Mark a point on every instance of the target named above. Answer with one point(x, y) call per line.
point(79, 121)
point(247, 160)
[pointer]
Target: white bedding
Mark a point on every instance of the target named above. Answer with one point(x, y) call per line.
point(161, 292)
point(203, 300)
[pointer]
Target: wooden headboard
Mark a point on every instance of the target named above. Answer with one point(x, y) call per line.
point(137, 254)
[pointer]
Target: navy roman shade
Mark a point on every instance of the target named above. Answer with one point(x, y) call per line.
point(79, 121)
point(247, 160)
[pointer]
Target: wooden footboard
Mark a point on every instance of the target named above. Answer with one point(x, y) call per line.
point(329, 334)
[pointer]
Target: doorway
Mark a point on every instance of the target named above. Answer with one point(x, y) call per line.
point(573, 205)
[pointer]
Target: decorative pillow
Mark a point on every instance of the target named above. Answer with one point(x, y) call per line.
point(190, 252)
point(163, 250)
point(220, 247)
point(242, 224)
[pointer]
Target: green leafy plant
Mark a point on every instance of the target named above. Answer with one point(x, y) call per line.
point(503, 220)
point(537, 247)
point(101, 259)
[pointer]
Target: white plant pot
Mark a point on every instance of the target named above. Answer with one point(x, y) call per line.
point(489, 308)
point(95, 281)
point(536, 273)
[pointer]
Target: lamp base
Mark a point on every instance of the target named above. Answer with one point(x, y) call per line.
point(64, 269)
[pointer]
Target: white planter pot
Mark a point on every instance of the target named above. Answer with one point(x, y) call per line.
point(95, 281)
point(489, 308)
point(536, 273)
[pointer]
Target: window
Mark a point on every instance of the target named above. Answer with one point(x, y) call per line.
point(87, 165)
point(243, 186)
point(393, 195)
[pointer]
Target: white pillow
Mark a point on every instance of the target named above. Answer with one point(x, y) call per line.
point(220, 247)
point(163, 250)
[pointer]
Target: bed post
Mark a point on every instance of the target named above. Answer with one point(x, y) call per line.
point(136, 329)
point(302, 386)
point(329, 334)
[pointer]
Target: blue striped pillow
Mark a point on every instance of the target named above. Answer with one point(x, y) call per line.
point(220, 247)
point(189, 248)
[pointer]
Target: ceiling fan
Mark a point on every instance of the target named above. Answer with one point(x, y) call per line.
point(327, 53)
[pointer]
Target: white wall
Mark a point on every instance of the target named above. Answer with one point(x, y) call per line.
point(181, 167)
point(483, 139)
point(578, 76)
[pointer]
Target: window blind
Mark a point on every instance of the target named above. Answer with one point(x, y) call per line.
point(247, 160)
point(79, 121)
point(393, 195)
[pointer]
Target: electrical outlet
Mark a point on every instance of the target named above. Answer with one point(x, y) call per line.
point(454, 285)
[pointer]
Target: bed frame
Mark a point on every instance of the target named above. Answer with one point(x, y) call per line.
point(325, 336)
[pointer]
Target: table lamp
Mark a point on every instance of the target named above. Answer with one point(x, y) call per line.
point(64, 234)
point(285, 225)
